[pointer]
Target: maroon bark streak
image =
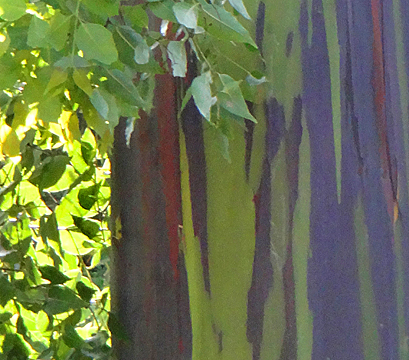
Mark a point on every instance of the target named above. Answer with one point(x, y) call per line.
point(169, 159)
point(293, 141)
point(193, 130)
point(262, 279)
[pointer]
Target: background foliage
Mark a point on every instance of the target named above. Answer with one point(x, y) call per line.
point(69, 69)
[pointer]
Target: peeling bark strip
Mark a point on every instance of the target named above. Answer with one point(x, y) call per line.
point(292, 148)
point(324, 213)
point(248, 135)
point(147, 186)
point(261, 13)
point(193, 130)
point(349, 340)
point(376, 208)
point(147, 287)
point(128, 260)
point(396, 137)
point(400, 153)
point(262, 280)
point(378, 83)
point(169, 160)
point(166, 112)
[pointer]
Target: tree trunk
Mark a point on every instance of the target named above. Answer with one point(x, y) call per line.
point(299, 247)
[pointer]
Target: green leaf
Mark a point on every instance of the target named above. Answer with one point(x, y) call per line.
point(186, 14)
point(71, 337)
point(72, 242)
point(9, 71)
point(177, 55)
point(12, 10)
point(116, 328)
point(240, 8)
point(88, 196)
point(137, 15)
point(49, 109)
point(88, 227)
point(37, 32)
point(58, 77)
point(58, 32)
point(99, 103)
point(21, 327)
point(84, 291)
point(120, 84)
point(7, 290)
point(202, 95)
point(73, 319)
point(136, 42)
point(46, 354)
point(88, 152)
point(142, 53)
point(53, 275)
point(62, 299)
point(102, 7)
point(232, 99)
point(81, 80)
point(50, 171)
point(4, 317)
point(225, 26)
point(4, 44)
point(72, 62)
point(163, 10)
point(255, 79)
point(96, 42)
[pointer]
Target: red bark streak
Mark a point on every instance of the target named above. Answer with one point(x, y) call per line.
point(169, 160)
point(378, 83)
point(144, 144)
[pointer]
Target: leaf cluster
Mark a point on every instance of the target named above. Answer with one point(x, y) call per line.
point(54, 248)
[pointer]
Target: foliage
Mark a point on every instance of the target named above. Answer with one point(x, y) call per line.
point(69, 69)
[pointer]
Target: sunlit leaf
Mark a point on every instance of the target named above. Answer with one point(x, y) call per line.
point(12, 10)
point(4, 42)
point(96, 42)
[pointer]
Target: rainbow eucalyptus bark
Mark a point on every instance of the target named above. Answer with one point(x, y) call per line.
point(298, 248)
